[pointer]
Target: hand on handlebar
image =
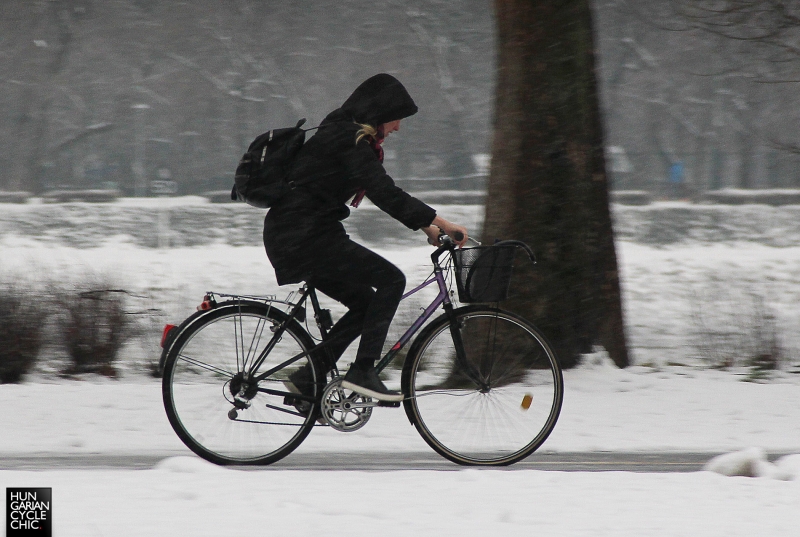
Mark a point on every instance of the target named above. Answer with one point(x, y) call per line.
point(440, 226)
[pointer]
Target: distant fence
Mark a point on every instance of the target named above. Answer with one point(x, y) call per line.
point(193, 221)
point(469, 190)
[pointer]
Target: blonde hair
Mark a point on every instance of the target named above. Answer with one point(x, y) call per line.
point(366, 130)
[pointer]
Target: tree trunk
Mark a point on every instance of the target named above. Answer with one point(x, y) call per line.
point(548, 184)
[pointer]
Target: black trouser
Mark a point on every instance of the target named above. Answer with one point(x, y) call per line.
point(369, 286)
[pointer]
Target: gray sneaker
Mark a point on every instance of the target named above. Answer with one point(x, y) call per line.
point(366, 382)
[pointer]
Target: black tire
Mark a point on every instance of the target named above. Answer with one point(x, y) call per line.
point(505, 409)
point(203, 368)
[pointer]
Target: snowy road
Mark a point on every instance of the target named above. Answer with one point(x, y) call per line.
point(656, 462)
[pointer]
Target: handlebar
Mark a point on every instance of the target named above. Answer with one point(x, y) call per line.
point(447, 244)
point(443, 237)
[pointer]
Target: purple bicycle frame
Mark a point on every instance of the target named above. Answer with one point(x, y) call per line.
point(442, 298)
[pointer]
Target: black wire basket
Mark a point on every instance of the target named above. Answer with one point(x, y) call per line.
point(483, 273)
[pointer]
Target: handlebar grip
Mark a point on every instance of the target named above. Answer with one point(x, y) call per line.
point(457, 236)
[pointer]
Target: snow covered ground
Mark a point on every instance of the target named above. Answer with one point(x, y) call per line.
point(669, 401)
point(184, 496)
point(639, 409)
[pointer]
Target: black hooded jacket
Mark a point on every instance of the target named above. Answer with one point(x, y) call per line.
point(329, 170)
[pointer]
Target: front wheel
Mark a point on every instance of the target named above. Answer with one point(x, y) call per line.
point(210, 399)
point(494, 405)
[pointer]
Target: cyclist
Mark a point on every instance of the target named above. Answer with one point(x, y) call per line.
point(306, 241)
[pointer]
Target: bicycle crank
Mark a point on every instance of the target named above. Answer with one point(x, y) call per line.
point(345, 410)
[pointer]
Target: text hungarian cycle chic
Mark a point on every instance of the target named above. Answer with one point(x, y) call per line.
point(480, 384)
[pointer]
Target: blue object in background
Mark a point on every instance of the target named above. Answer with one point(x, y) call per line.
point(676, 173)
point(676, 186)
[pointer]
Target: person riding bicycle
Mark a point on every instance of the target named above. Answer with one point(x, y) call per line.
point(306, 241)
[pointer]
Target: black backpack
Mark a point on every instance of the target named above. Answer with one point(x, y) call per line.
point(262, 176)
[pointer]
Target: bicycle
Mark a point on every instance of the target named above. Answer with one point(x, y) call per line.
point(482, 386)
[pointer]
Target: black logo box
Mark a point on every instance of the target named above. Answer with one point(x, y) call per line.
point(29, 511)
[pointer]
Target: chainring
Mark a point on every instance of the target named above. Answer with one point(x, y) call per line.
point(343, 409)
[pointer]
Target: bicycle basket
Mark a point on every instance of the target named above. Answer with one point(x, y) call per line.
point(483, 273)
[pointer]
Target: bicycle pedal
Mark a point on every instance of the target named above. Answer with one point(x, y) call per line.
point(292, 401)
point(391, 404)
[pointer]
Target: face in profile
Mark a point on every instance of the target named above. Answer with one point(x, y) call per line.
point(390, 127)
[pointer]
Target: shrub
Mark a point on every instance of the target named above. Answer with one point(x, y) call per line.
point(94, 326)
point(146, 326)
point(21, 320)
point(734, 327)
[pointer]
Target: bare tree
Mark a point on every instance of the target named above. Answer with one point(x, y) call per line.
point(127, 92)
point(766, 37)
point(774, 23)
point(677, 94)
point(548, 185)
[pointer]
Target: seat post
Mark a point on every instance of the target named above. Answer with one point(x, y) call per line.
point(324, 323)
point(323, 317)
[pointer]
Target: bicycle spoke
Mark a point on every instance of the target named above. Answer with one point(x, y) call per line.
point(256, 340)
point(513, 364)
point(491, 336)
point(237, 330)
point(206, 366)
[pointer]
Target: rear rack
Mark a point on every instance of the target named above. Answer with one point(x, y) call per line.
point(256, 298)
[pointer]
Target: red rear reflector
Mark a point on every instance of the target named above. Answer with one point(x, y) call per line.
point(207, 303)
point(167, 329)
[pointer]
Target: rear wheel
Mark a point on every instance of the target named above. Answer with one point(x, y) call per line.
point(499, 404)
point(215, 407)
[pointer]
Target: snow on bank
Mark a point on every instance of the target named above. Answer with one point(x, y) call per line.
point(185, 496)
point(663, 288)
point(676, 296)
point(753, 462)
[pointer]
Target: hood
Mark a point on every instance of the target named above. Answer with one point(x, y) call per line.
point(379, 99)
